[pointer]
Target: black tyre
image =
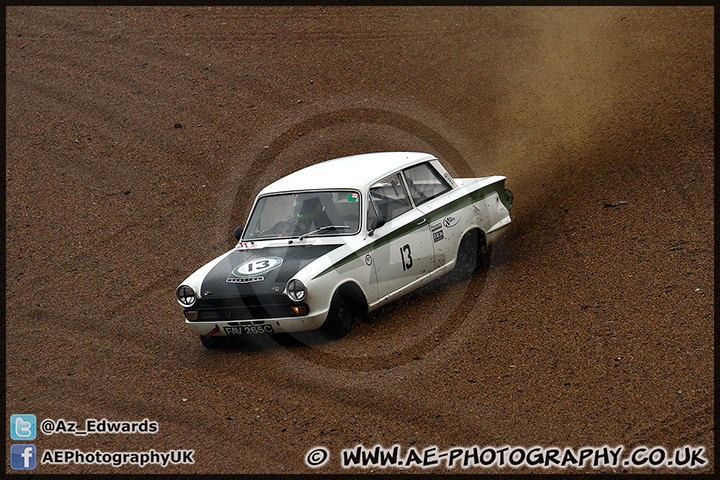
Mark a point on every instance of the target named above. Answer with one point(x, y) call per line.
point(340, 318)
point(213, 342)
point(468, 258)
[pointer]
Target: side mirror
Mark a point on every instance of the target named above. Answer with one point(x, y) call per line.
point(377, 223)
point(238, 232)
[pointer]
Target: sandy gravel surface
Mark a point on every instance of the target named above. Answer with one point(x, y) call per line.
point(138, 137)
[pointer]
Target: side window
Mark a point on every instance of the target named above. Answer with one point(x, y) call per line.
point(424, 183)
point(389, 197)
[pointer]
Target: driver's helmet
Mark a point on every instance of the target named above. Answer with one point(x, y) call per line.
point(307, 210)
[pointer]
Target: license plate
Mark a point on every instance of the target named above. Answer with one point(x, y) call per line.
point(249, 330)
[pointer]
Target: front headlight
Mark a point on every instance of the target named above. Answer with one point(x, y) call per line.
point(296, 290)
point(185, 296)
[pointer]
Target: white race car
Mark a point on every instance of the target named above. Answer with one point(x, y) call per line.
point(341, 237)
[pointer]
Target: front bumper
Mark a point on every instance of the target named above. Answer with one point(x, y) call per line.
point(279, 325)
point(270, 312)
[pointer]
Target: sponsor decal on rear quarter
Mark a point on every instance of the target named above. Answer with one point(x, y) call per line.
point(451, 220)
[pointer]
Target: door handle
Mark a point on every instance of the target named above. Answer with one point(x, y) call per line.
point(424, 220)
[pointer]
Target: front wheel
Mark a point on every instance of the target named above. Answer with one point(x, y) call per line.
point(213, 342)
point(340, 317)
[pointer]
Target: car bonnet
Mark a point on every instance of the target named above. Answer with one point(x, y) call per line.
point(259, 271)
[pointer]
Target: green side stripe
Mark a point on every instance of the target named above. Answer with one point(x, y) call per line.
point(433, 216)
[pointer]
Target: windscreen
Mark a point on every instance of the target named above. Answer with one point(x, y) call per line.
point(323, 213)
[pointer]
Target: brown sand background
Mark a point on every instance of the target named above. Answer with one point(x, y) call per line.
point(591, 325)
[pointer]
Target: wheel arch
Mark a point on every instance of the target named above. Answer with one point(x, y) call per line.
point(481, 237)
point(353, 293)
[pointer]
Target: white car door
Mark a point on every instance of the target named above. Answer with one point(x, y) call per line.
point(427, 187)
point(402, 248)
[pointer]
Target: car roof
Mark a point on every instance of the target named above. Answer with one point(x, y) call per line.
point(353, 172)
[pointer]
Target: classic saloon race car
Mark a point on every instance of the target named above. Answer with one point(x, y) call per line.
point(341, 237)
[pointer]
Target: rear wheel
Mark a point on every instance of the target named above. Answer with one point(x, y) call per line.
point(468, 258)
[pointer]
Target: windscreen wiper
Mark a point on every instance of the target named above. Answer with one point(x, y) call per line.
point(320, 230)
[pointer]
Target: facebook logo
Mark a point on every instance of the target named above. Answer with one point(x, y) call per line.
point(23, 427)
point(23, 457)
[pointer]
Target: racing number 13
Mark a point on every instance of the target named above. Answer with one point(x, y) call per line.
point(259, 264)
point(405, 257)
